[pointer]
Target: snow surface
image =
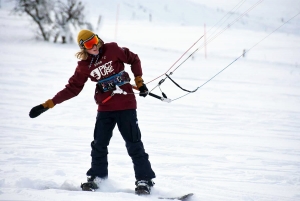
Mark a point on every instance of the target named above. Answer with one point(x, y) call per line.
point(237, 138)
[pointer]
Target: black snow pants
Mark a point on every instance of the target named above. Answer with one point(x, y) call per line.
point(128, 126)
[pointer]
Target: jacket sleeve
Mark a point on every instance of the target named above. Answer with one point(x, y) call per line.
point(128, 57)
point(73, 88)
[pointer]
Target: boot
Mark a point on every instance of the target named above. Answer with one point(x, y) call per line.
point(143, 187)
point(92, 183)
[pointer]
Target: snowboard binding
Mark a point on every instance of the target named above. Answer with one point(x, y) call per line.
point(89, 186)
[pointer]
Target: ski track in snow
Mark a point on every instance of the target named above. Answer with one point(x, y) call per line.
point(236, 138)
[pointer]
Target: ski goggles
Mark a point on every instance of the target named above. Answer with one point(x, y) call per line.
point(90, 42)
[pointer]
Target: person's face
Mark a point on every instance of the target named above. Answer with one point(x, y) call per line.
point(94, 50)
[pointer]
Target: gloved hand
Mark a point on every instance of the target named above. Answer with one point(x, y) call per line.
point(143, 90)
point(39, 109)
point(141, 86)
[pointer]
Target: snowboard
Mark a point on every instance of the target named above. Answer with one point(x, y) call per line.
point(183, 198)
point(90, 187)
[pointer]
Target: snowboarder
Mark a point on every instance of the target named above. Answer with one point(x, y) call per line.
point(101, 61)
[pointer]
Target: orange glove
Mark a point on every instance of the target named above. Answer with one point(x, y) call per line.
point(141, 86)
point(139, 81)
point(48, 104)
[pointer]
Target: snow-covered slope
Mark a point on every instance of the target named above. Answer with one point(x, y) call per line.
point(237, 138)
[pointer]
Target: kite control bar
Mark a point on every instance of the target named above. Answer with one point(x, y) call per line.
point(156, 96)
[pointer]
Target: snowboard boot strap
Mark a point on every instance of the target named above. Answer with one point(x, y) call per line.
point(89, 186)
point(143, 187)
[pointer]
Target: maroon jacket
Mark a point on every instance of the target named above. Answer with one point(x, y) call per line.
point(110, 61)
